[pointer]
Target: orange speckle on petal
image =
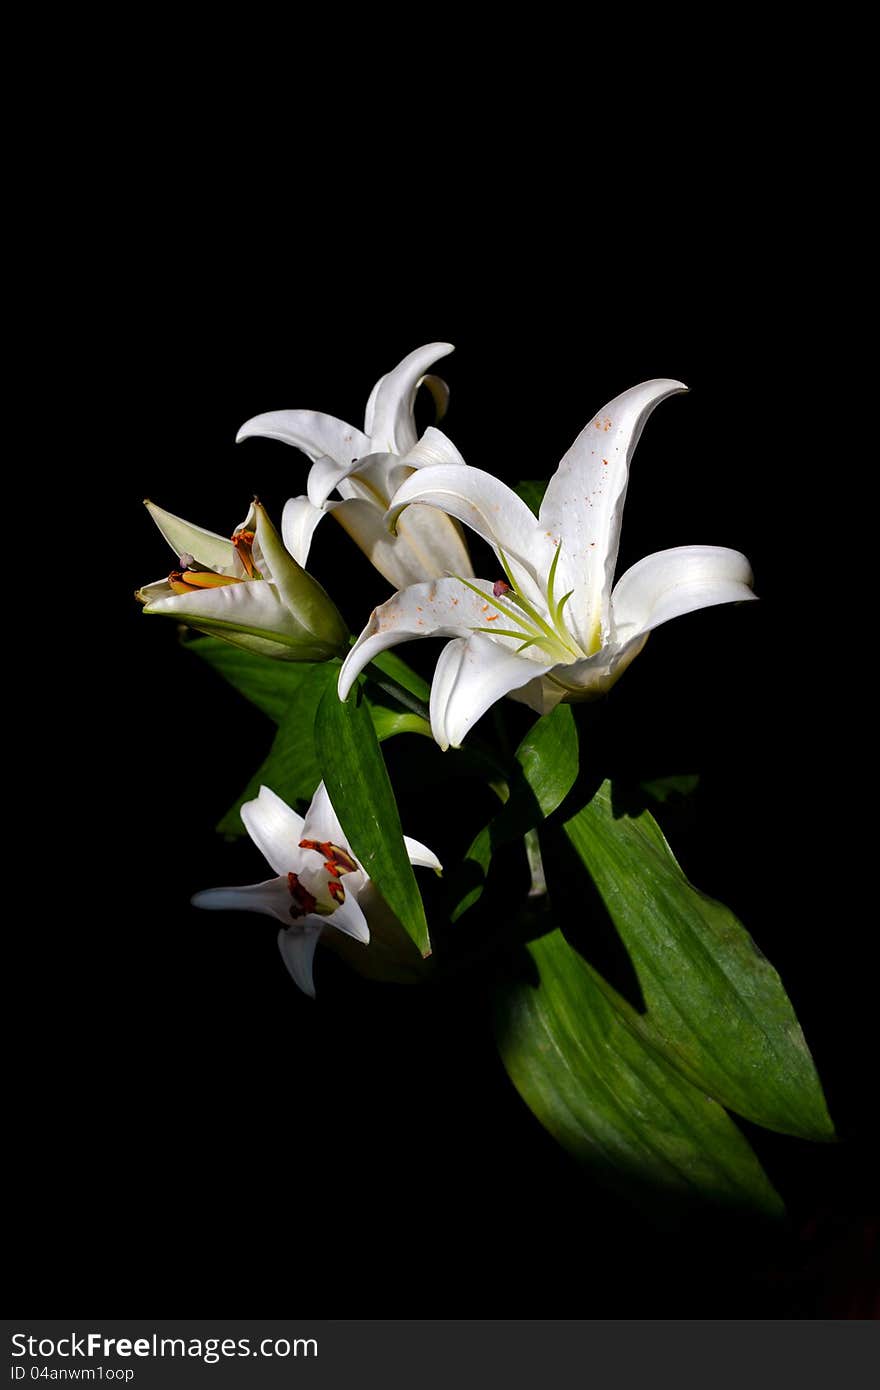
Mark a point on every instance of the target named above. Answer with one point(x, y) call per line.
point(492, 618)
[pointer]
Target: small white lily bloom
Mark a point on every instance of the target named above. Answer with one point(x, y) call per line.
point(248, 589)
point(554, 628)
point(365, 467)
point(311, 857)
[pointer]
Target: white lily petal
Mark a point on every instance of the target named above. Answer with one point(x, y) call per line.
point(269, 899)
point(149, 593)
point(322, 822)
point(430, 544)
point(471, 675)
point(298, 522)
point(594, 675)
point(439, 392)
point(366, 477)
point(482, 502)
point(349, 917)
point(213, 551)
point(434, 447)
point(439, 608)
point(672, 582)
point(254, 608)
point(421, 856)
point(317, 435)
point(389, 418)
point(583, 505)
point(310, 606)
point(276, 830)
point(297, 946)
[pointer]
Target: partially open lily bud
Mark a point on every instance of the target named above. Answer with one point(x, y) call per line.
point(246, 589)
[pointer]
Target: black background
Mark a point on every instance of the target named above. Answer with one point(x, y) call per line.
point(188, 1129)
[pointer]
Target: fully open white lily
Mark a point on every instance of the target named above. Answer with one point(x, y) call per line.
point(553, 628)
point(320, 883)
point(248, 589)
point(365, 468)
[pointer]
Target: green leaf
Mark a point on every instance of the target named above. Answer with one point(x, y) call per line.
point(532, 493)
point(547, 759)
point(268, 684)
point(291, 767)
point(357, 782)
point(716, 1003)
point(395, 667)
point(570, 1047)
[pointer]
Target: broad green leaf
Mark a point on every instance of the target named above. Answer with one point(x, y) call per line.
point(547, 760)
point(357, 781)
point(272, 685)
point(716, 1002)
point(268, 684)
point(570, 1047)
point(532, 493)
point(291, 767)
point(393, 665)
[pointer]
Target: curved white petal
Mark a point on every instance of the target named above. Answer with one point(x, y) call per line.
point(309, 604)
point(254, 608)
point(594, 675)
point(317, 435)
point(439, 392)
point(471, 675)
point(672, 582)
point(421, 856)
point(297, 946)
point(349, 917)
point(389, 418)
point(425, 547)
point(583, 504)
point(433, 448)
point(151, 593)
point(298, 522)
point(276, 830)
point(270, 899)
point(322, 822)
point(479, 500)
point(441, 608)
point(213, 551)
point(369, 471)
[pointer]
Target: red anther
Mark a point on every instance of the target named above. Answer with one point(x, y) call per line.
point(336, 861)
point(499, 588)
point(303, 902)
point(336, 891)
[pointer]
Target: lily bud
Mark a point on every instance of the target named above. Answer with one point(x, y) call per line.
point(246, 589)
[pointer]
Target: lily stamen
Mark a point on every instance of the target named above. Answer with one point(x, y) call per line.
point(244, 546)
point(190, 581)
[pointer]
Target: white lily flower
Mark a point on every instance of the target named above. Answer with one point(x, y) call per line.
point(554, 628)
point(320, 883)
point(247, 589)
point(365, 468)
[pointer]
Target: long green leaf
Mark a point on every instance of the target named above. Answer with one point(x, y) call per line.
point(291, 767)
point(614, 1102)
point(716, 1002)
point(547, 759)
point(270, 685)
point(357, 781)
